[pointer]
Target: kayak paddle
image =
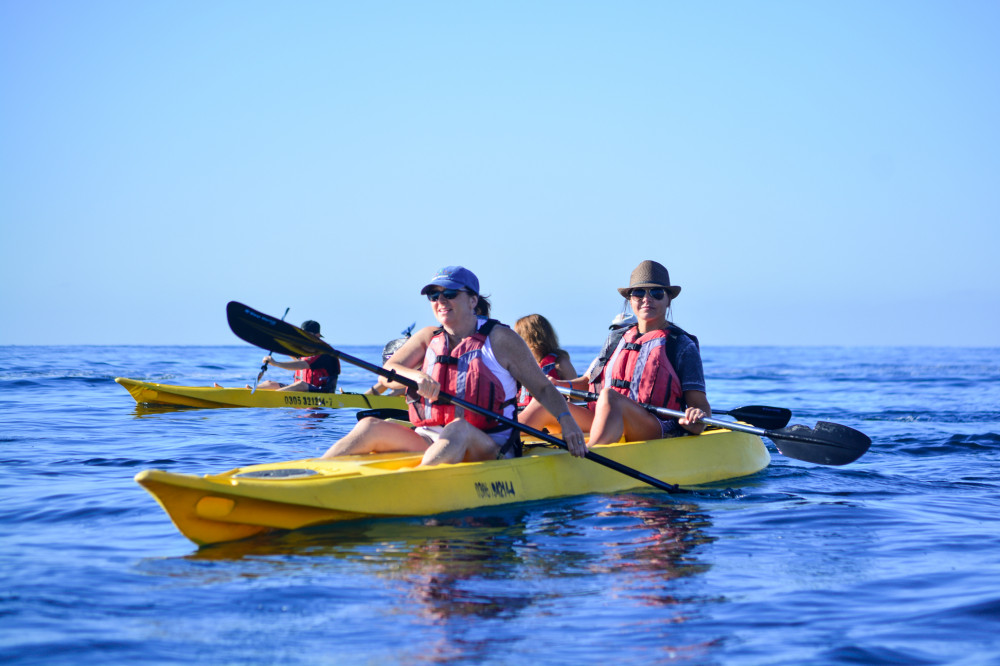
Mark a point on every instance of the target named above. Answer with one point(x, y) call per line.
point(263, 368)
point(826, 444)
point(267, 332)
point(761, 416)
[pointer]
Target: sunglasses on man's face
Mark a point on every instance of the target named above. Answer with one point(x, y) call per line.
point(450, 294)
point(656, 293)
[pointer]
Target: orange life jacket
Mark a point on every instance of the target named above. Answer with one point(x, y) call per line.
point(463, 373)
point(641, 368)
point(548, 366)
point(322, 372)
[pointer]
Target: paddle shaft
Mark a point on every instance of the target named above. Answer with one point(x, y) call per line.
point(760, 416)
point(775, 435)
point(263, 368)
point(663, 411)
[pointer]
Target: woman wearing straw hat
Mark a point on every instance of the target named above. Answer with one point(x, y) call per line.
point(654, 362)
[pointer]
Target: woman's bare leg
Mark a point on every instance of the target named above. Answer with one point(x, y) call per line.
point(460, 442)
point(615, 415)
point(537, 417)
point(372, 435)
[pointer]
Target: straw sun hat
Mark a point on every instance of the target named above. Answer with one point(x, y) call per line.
point(650, 274)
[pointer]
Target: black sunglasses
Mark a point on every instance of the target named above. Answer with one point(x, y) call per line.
point(656, 293)
point(450, 294)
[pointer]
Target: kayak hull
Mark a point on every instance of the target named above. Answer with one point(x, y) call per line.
point(210, 396)
point(291, 495)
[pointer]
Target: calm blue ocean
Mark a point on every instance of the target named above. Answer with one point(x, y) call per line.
point(894, 559)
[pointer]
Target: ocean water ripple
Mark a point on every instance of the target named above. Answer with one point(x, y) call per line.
point(888, 560)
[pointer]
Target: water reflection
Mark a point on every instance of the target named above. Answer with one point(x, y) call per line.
point(310, 419)
point(521, 565)
point(147, 409)
point(655, 547)
point(645, 536)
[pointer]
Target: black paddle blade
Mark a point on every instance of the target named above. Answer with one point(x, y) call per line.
point(826, 444)
point(270, 333)
point(762, 416)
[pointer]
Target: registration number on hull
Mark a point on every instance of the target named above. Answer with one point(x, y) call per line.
point(308, 401)
point(495, 490)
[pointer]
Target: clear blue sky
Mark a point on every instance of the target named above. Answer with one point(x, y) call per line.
point(810, 172)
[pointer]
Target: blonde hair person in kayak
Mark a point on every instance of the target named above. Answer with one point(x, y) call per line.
point(472, 357)
point(653, 362)
point(543, 342)
point(537, 416)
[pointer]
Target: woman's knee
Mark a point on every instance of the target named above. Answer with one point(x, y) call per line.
point(457, 430)
point(369, 425)
point(608, 399)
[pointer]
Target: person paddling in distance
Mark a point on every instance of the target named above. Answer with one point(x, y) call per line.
point(382, 385)
point(471, 357)
point(313, 374)
point(652, 362)
point(541, 338)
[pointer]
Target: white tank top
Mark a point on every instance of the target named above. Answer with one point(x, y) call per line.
point(506, 379)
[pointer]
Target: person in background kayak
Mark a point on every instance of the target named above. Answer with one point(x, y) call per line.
point(543, 342)
point(314, 374)
point(469, 356)
point(652, 362)
point(537, 417)
point(382, 385)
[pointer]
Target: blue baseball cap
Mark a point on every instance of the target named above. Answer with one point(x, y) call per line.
point(453, 277)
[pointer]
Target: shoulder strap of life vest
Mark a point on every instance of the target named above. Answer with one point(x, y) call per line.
point(483, 331)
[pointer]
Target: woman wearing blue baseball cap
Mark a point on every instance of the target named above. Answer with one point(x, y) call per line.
point(472, 357)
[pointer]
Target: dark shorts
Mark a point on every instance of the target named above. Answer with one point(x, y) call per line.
point(670, 428)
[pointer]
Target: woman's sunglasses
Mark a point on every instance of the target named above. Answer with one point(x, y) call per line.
point(656, 293)
point(450, 294)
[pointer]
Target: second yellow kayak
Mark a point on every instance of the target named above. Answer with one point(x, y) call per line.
point(210, 396)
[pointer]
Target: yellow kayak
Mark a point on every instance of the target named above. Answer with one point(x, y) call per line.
point(290, 495)
point(210, 396)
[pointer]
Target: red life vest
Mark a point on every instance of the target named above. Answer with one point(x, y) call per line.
point(321, 374)
point(463, 373)
point(548, 366)
point(640, 368)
